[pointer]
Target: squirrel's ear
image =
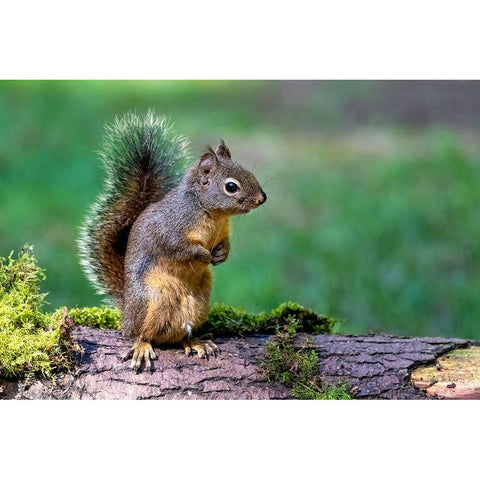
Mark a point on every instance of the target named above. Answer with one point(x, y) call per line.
point(207, 163)
point(223, 151)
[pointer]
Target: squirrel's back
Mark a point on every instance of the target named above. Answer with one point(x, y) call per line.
point(143, 161)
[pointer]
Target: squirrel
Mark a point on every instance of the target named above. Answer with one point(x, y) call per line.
point(151, 236)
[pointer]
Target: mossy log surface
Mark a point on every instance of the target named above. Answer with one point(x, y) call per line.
point(375, 366)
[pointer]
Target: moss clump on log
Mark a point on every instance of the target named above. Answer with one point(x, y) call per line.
point(31, 341)
point(99, 317)
point(297, 367)
point(227, 320)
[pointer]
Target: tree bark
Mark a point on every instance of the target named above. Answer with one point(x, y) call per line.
point(374, 366)
point(381, 366)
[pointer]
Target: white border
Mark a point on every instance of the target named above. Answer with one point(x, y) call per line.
point(214, 39)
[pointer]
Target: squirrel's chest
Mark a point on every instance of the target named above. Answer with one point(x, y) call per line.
point(209, 232)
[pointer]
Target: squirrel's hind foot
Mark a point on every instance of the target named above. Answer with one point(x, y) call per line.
point(140, 352)
point(204, 348)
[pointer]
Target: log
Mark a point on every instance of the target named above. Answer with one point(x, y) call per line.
point(371, 366)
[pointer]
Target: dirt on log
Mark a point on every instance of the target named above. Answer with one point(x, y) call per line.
point(373, 366)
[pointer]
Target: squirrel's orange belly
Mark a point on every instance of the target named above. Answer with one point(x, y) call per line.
point(178, 301)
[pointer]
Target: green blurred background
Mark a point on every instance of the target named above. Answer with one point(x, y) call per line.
point(373, 198)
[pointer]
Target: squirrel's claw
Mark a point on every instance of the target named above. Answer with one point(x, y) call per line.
point(219, 254)
point(128, 354)
point(140, 352)
point(204, 348)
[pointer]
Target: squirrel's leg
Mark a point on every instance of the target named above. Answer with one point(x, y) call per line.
point(141, 351)
point(204, 348)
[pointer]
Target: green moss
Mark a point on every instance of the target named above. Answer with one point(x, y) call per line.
point(334, 392)
point(31, 341)
point(297, 367)
point(228, 320)
point(99, 317)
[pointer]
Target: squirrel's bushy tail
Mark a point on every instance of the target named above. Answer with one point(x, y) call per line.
point(143, 160)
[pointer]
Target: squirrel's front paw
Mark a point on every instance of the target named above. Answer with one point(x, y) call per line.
point(140, 352)
point(219, 254)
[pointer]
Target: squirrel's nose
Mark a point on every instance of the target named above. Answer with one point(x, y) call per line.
point(262, 198)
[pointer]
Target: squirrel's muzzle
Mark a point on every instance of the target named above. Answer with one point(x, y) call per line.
point(262, 198)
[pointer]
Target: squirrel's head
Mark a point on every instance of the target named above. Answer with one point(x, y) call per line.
point(224, 185)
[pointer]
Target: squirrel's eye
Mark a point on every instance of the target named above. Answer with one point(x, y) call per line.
point(231, 187)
